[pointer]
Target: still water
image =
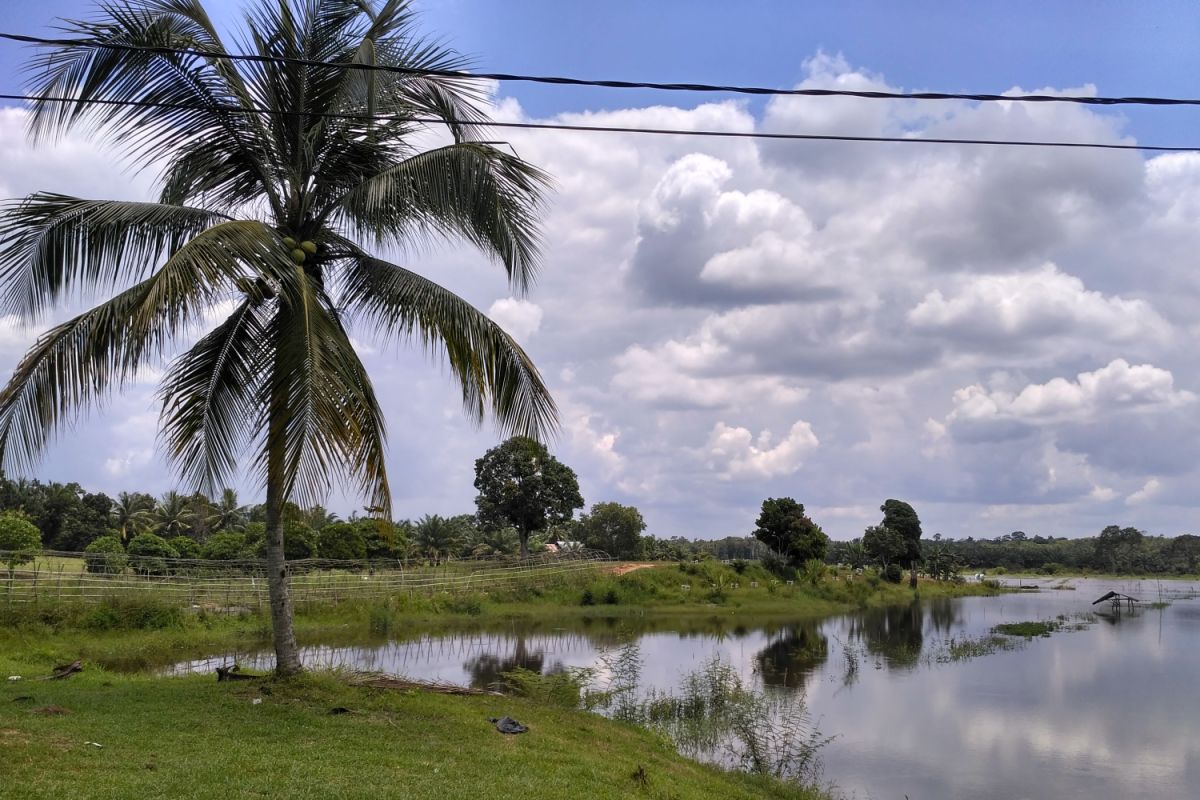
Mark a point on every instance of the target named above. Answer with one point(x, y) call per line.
point(1106, 708)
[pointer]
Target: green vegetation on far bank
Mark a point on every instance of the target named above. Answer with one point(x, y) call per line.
point(139, 632)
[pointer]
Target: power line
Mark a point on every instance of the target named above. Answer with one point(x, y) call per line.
point(617, 84)
point(554, 126)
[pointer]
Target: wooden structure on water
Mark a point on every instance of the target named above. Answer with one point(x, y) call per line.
point(1117, 599)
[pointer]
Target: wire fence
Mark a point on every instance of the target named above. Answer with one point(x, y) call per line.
point(242, 585)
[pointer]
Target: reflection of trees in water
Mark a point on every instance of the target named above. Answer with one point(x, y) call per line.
point(487, 669)
point(944, 614)
point(893, 632)
point(788, 660)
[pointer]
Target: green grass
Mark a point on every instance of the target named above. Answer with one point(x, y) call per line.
point(195, 738)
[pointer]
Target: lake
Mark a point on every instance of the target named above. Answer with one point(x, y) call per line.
point(923, 701)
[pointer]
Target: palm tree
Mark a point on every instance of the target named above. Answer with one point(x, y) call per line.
point(437, 537)
point(131, 514)
point(229, 515)
point(273, 173)
point(318, 517)
point(172, 516)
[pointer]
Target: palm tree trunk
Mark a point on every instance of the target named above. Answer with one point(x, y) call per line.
point(287, 654)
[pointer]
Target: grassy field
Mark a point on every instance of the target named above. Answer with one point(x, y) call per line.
point(196, 738)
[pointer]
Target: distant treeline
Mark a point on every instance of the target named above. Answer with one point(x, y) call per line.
point(1115, 550)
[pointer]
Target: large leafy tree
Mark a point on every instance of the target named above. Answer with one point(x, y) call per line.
point(613, 528)
point(521, 485)
point(275, 174)
point(785, 528)
point(901, 518)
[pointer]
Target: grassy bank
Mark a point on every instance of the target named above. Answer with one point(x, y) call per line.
point(195, 738)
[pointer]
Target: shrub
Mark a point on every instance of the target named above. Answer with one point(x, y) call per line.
point(588, 598)
point(342, 541)
point(611, 598)
point(893, 573)
point(299, 542)
point(224, 546)
point(739, 565)
point(133, 614)
point(813, 571)
point(20, 540)
point(147, 552)
point(185, 546)
point(105, 556)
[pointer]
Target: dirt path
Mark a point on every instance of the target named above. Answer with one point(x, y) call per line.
point(621, 569)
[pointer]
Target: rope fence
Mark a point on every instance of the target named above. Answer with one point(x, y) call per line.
point(242, 585)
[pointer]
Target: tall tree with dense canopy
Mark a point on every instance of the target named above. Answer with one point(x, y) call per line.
point(901, 518)
point(274, 174)
point(785, 528)
point(522, 485)
point(613, 528)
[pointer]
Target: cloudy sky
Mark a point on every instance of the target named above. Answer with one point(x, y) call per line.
point(1002, 337)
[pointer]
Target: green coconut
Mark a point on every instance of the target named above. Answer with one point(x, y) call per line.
point(308, 247)
point(289, 241)
point(298, 256)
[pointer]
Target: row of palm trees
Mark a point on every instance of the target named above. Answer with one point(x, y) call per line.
point(175, 514)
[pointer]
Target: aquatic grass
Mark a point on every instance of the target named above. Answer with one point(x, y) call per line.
point(1027, 629)
point(964, 649)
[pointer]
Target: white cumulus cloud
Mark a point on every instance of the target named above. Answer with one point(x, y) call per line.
point(739, 454)
point(521, 319)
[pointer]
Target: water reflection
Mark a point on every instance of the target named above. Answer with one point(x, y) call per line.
point(895, 634)
point(487, 669)
point(792, 656)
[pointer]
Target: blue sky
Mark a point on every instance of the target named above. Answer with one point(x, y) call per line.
point(1001, 337)
point(1121, 47)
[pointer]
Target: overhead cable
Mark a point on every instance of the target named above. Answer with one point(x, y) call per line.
point(617, 84)
point(555, 126)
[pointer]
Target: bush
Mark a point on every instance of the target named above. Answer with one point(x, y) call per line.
point(299, 542)
point(147, 552)
point(588, 598)
point(133, 614)
point(105, 556)
point(739, 565)
point(185, 546)
point(893, 573)
point(224, 546)
point(342, 541)
point(19, 538)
